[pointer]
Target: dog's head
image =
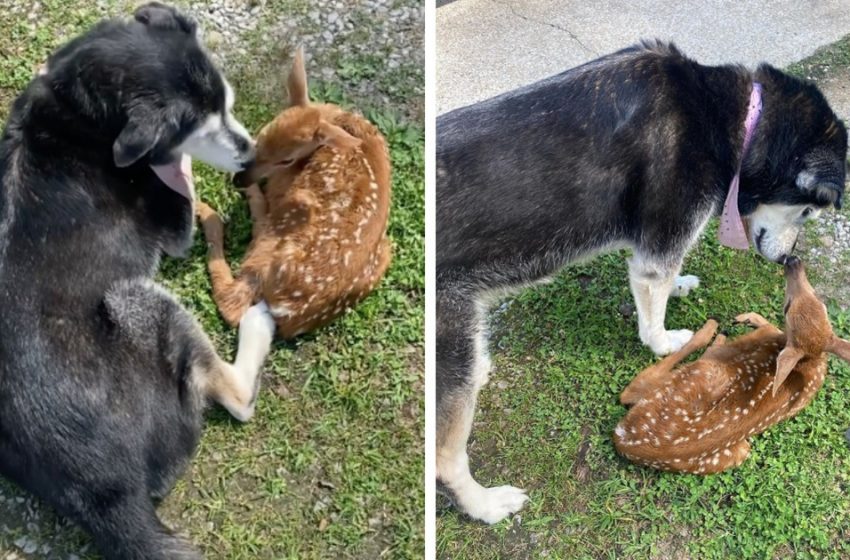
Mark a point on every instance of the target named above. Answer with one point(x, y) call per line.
point(150, 85)
point(797, 165)
point(807, 328)
point(297, 132)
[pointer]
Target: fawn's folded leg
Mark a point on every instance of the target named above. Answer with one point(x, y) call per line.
point(655, 376)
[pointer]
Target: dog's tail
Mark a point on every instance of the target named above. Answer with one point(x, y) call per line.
point(162, 547)
point(136, 533)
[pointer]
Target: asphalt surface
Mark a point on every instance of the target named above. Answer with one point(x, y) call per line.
point(485, 47)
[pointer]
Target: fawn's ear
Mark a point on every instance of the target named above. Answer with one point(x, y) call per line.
point(785, 362)
point(839, 347)
point(331, 135)
point(297, 81)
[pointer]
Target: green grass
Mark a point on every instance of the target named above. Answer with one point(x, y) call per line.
point(824, 62)
point(332, 464)
point(562, 353)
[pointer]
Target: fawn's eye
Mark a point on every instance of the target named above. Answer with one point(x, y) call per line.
point(786, 308)
point(286, 162)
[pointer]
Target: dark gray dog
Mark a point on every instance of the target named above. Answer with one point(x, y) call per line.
point(636, 149)
point(103, 375)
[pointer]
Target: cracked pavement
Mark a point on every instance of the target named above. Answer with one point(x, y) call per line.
point(485, 47)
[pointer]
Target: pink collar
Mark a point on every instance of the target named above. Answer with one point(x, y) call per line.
point(731, 231)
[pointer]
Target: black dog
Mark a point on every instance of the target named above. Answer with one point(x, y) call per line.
point(636, 149)
point(103, 375)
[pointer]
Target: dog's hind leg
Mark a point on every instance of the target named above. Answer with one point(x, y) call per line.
point(232, 296)
point(236, 386)
point(462, 369)
point(126, 527)
point(138, 308)
point(651, 285)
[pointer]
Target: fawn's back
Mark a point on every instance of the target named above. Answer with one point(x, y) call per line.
point(325, 246)
point(699, 417)
point(700, 420)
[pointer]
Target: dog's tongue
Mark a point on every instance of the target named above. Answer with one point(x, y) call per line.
point(178, 176)
point(732, 232)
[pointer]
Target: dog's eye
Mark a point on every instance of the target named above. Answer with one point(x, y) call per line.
point(806, 213)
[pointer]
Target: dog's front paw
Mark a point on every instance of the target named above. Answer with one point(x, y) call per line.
point(683, 285)
point(259, 318)
point(667, 342)
point(491, 505)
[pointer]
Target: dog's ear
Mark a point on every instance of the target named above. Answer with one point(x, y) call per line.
point(822, 177)
point(839, 347)
point(297, 81)
point(138, 137)
point(148, 129)
point(785, 362)
point(331, 135)
point(825, 192)
point(160, 16)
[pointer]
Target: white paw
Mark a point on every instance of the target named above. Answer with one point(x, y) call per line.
point(491, 505)
point(684, 285)
point(258, 319)
point(668, 342)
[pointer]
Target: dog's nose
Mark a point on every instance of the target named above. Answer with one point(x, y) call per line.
point(242, 179)
point(248, 163)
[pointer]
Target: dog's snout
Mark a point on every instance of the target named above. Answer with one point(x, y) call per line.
point(794, 246)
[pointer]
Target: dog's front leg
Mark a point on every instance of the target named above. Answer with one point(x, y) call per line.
point(651, 286)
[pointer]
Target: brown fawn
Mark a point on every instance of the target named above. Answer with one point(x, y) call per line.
point(320, 229)
point(698, 417)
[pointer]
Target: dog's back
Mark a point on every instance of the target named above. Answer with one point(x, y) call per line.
point(102, 373)
point(558, 169)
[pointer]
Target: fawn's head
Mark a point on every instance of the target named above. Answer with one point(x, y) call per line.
point(807, 328)
point(297, 132)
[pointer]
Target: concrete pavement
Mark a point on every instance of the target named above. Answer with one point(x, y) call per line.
point(485, 47)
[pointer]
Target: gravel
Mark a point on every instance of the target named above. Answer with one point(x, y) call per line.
point(373, 50)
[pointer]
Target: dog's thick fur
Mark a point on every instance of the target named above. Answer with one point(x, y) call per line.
point(103, 375)
point(636, 149)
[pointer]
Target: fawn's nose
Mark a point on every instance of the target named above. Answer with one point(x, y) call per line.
point(792, 263)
